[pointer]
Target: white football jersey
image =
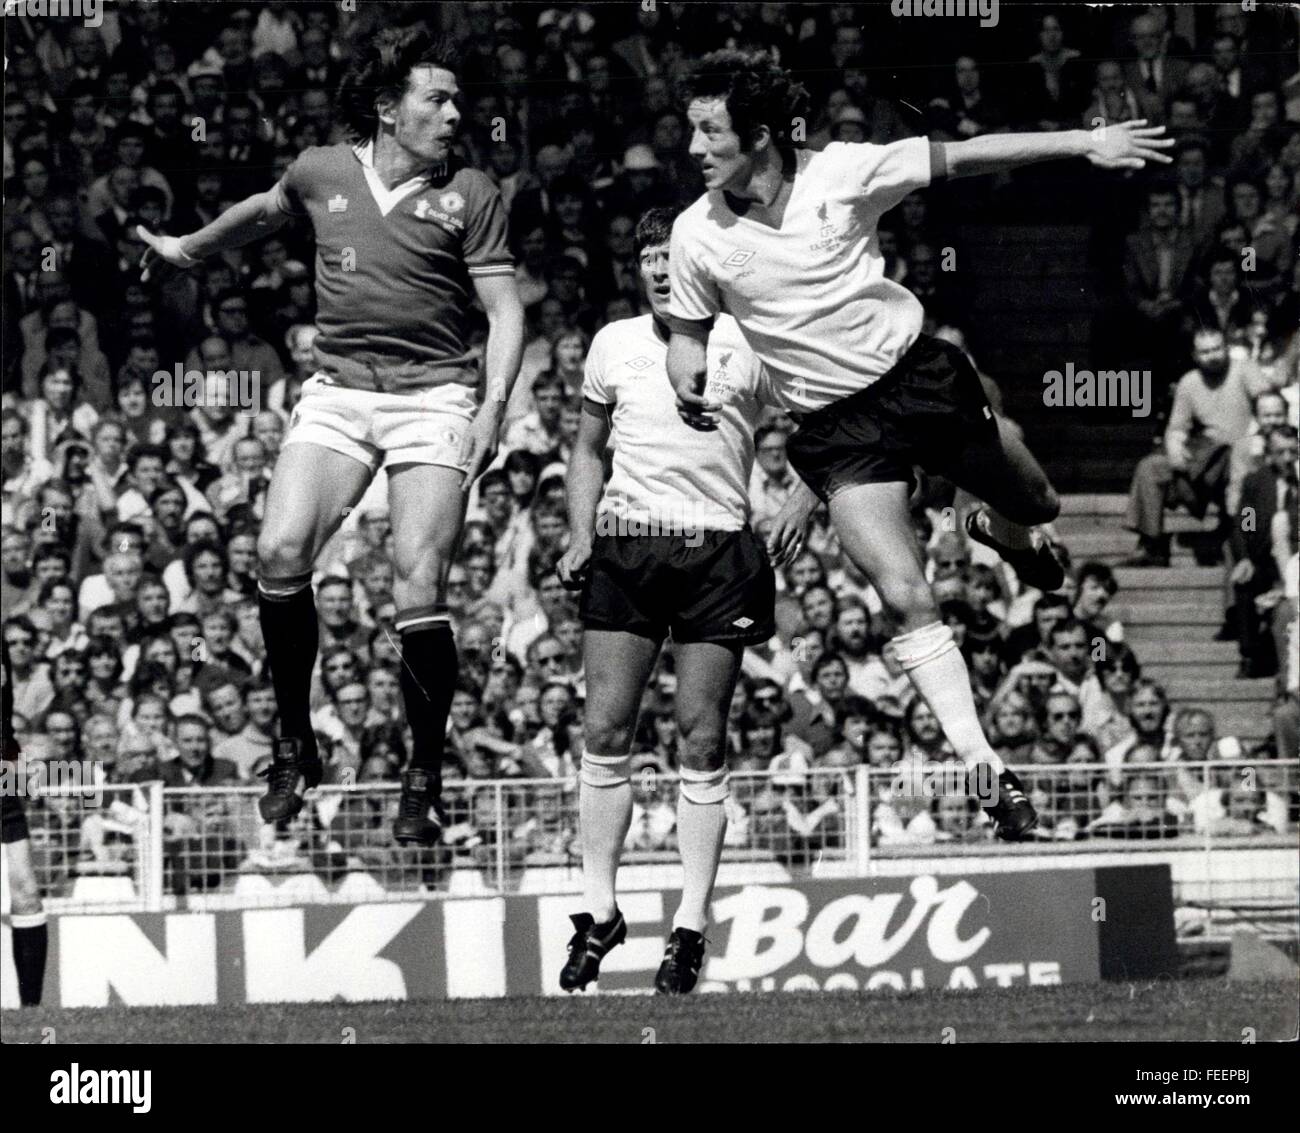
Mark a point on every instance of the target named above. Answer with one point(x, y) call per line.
point(811, 298)
point(668, 476)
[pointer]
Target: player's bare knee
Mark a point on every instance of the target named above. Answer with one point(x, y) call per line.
point(281, 553)
point(606, 736)
point(420, 567)
point(908, 602)
point(25, 896)
point(700, 748)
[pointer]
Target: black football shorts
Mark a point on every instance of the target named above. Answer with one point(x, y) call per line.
point(710, 586)
point(929, 411)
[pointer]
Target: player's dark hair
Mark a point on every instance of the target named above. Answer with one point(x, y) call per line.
point(757, 93)
point(382, 67)
point(654, 228)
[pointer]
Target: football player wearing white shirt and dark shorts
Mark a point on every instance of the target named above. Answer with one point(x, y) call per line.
point(664, 549)
point(784, 240)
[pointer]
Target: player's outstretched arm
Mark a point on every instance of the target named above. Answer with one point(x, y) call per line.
point(240, 224)
point(583, 483)
point(1124, 145)
point(688, 371)
point(501, 359)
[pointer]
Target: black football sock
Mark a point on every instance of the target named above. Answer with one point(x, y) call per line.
point(31, 942)
point(290, 633)
point(429, 667)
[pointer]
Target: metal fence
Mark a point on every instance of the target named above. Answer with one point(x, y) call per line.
point(1229, 827)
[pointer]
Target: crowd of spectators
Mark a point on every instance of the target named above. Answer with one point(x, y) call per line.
point(128, 549)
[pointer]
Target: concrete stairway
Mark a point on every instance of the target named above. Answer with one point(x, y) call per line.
point(1171, 615)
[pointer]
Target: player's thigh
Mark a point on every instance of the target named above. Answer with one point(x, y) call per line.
point(312, 490)
point(875, 528)
point(426, 508)
point(706, 678)
point(617, 666)
point(1006, 476)
point(25, 893)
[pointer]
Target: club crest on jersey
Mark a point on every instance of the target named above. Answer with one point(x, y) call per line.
point(640, 362)
point(720, 385)
point(830, 239)
point(338, 203)
point(738, 259)
point(425, 211)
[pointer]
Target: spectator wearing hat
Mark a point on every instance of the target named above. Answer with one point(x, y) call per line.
point(640, 183)
point(850, 124)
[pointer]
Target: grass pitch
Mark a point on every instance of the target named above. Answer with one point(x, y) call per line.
point(1204, 1009)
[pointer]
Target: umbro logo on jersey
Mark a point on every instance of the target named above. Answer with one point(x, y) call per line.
point(743, 623)
point(640, 362)
point(338, 203)
point(738, 259)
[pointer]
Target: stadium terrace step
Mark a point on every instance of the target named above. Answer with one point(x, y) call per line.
point(1146, 638)
point(1193, 675)
point(1094, 503)
point(1180, 651)
point(1142, 614)
point(1173, 581)
point(1183, 688)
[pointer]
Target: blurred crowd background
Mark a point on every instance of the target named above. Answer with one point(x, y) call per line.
point(127, 552)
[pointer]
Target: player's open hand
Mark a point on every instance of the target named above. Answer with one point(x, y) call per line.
point(164, 249)
point(1128, 145)
point(694, 408)
point(572, 565)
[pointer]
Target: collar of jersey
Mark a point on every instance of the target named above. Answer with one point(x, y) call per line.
point(388, 199)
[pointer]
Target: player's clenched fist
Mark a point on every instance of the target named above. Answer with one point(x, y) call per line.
point(572, 565)
point(165, 248)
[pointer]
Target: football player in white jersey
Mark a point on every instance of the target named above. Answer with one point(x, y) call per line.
point(784, 240)
point(664, 548)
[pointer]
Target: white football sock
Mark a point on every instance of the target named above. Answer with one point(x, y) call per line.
point(930, 657)
point(605, 813)
point(701, 826)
